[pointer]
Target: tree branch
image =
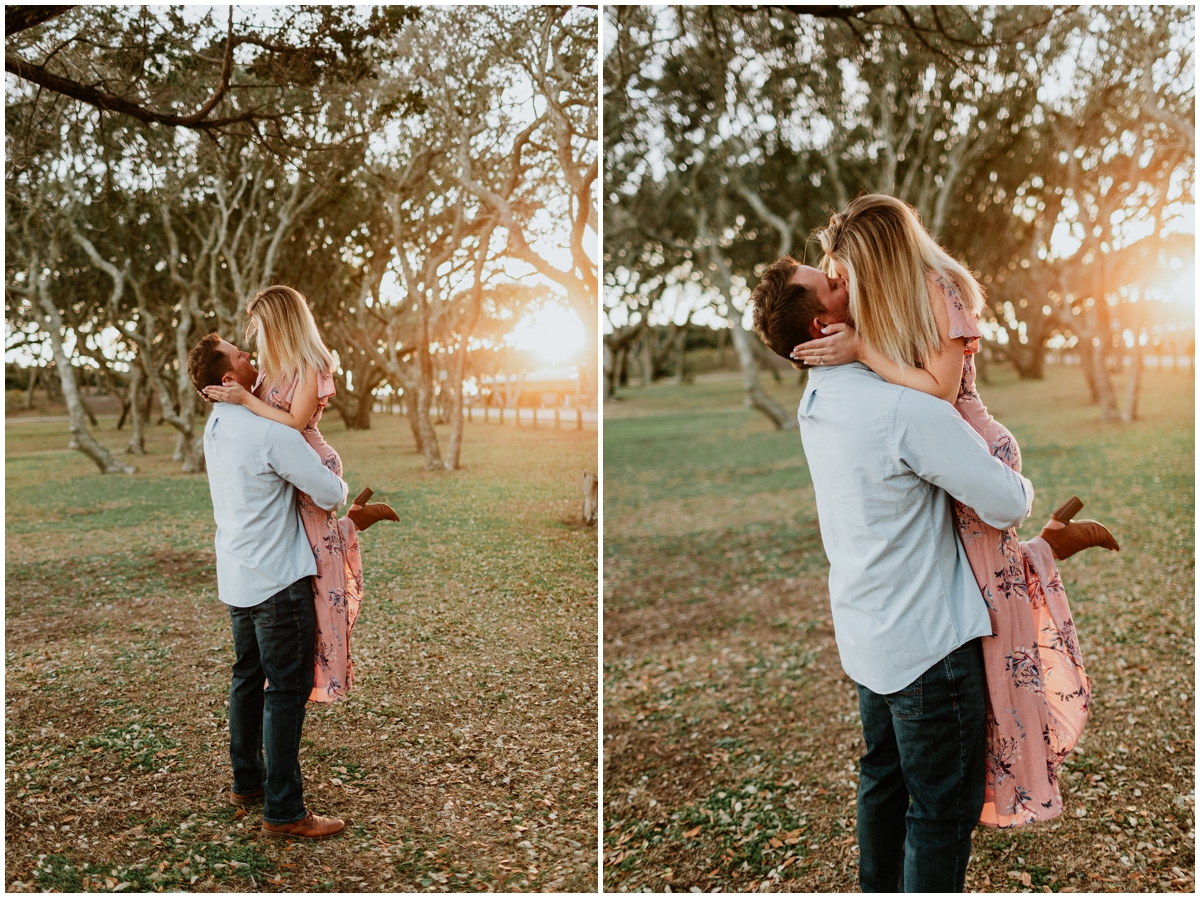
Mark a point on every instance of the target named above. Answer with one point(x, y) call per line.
point(198, 120)
point(22, 18)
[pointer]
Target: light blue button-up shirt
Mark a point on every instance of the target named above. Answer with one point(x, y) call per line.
point(255, 465)
point(883, 459)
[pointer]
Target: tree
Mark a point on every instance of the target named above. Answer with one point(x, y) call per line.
point(101, 56)
point(766, 119)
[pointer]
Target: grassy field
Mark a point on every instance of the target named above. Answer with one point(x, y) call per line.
point(464, 759)
point(731, 731)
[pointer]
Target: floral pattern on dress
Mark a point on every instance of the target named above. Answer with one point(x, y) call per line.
point(1025, 667)
point(338, 584)
point(1032, 661)
point(1002, 755)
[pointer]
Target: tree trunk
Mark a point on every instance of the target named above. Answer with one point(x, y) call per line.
point(81, 438)
point(33, 379)
point(411, 412)
point(192, 451)
point(1085, 347)
point(87, 410)
point(610, 367)
point(1133, 388)
point(681, 338)
point(590, 484)
point(513, 387)
point(362, 415)
point(179, 408)
point(1105, 394)
point(425, 389)
point(756, 397)
point(137, 440)
point(1036, 366)
point(458, 368)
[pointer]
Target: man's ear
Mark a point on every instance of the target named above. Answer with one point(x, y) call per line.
point(815, 326)
point(227, 379)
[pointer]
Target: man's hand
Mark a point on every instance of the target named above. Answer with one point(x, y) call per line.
point(839, 346)
point(234, 393)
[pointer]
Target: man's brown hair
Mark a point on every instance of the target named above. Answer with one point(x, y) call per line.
point(206, 364)
point(783, 311)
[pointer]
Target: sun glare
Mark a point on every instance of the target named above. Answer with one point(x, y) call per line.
point(553, 333)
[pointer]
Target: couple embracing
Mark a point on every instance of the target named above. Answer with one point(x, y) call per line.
point(971, 685)
point(288, 567)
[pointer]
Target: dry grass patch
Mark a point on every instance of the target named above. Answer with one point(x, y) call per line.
point(731, 732)
point(464, 758)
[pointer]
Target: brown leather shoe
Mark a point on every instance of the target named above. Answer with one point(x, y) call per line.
point(364, 515)
point(310, 827)
point(246, 799)
point(1076, 535)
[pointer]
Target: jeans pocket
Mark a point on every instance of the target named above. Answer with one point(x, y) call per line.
point(908, 702)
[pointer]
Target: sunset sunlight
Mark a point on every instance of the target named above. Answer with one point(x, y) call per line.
point(553, 333)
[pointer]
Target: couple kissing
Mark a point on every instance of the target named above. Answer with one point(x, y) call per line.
point(288, 567)
point(971, 685)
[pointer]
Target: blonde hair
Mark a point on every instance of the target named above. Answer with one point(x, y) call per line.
point(285, 334)
point(889, 256)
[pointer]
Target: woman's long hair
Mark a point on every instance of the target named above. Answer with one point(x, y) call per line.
point(286, 334)
point(888, 256)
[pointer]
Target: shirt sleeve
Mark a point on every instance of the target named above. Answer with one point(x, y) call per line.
point(936, 444)
point(962, 322)
point(290, 456)
point(325, 385)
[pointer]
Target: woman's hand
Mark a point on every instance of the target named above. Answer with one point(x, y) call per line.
point(839, 346)
point(234, 393)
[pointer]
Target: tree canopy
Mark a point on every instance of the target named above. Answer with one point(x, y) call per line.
point(417, 173)
point(731, 133)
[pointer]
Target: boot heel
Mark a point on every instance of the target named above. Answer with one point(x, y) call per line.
point(365, 496)
point(1067, 510)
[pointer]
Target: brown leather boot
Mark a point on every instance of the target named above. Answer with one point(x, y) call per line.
point(310, 827)
point(1076, 535)
point(364, 515)
point(246, 799)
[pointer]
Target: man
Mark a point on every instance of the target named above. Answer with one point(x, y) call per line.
point(264, 574)
point(907, 612)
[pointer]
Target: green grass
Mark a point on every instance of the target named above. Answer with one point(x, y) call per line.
point(473, 711)
point(721, 668)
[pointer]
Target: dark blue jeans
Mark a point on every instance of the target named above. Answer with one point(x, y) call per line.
point(920, 788)
point(273, 641)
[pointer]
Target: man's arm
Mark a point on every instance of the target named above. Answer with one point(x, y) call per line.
point(290, 456)
point(937, 445)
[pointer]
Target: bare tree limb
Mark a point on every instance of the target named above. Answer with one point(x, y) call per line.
point(22, 18)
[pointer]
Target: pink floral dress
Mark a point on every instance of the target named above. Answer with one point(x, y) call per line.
point(1038, 692)
point(338, 585)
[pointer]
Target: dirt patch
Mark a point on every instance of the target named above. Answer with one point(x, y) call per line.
point(187, 568)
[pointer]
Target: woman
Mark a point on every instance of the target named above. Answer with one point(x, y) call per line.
point(294, 384)
point(914, 309)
